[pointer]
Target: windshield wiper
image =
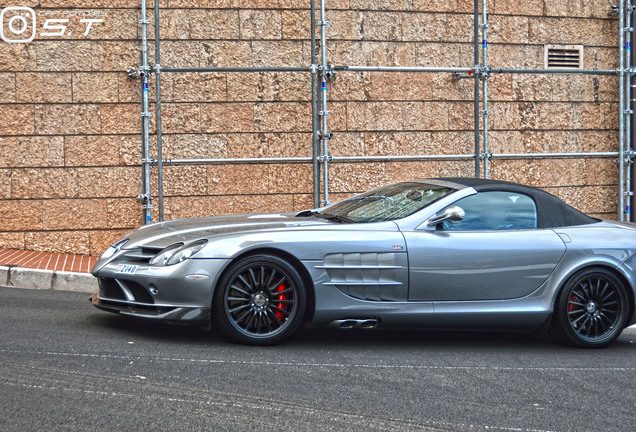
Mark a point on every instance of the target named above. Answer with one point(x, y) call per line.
point(333, 217)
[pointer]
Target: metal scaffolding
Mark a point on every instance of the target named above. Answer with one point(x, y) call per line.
point(322, 72)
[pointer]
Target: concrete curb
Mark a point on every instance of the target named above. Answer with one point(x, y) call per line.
point(20, 277)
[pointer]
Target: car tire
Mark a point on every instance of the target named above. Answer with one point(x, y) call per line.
point(260, 300)
point(592, 309)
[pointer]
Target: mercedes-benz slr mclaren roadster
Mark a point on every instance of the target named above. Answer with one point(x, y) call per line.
point(435, 253)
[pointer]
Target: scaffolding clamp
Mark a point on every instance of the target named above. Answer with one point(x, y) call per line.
point(146, 114)
point(484, 26)
point(324, 113)
point(485, 155)
point(328, 135)
point(144, 21)
point(327, 71)
point(328, 158)
point(157, 69)
point(485, 112)
point(144, 198)
point(613, 11)
point(313, 68)
point(140, 72)
point(323, 23)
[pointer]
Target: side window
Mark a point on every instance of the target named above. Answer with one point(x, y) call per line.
point(495, 211)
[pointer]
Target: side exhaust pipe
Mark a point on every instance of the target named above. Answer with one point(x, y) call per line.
point(368, 324)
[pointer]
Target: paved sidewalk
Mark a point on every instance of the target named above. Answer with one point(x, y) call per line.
point(45, 270)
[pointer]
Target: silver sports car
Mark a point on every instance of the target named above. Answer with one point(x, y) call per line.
point(437, 253)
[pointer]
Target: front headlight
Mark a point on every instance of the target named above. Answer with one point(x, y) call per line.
point(165, 254)
point(114, 248)
point(177, 253)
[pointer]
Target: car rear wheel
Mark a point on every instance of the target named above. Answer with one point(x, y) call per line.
point(592, 309)
point(260, 300)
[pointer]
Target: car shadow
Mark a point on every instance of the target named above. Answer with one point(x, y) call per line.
point(381, 339)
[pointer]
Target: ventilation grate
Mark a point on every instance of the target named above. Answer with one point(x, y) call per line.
point(564, 56)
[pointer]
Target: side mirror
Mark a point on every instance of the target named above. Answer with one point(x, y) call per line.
point(452, 214)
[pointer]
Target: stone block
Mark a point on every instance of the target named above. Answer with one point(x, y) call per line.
point(195, 23)
point(120, 118)
point(290, 178)
point(196, 87)
point(20, 215)
point(508, 29)
point(32, 151)
point(347, 144)
point(112, 182)
point(228, 117)
point(123, 213)
point(12, 240)
point(296, 24)
point(5, 181)
point(17, 120)
point(217, 54)
point(381, 26)
point(401, 86)
point(17, 57)
point(374, 116)
point(91, 150)
point(269, 86)
point(195, 146)
point(191, 207)
point(95, 87)
point(185, 180)
point(247, 204)
point(276, 53)
point(7, 87)
point(406, 171)
point(74, 214)
point(237, 179)
point(77, 55)
point(511, 7)
point(462, 6)
point(282, 117)
point(44, 183)
point(353, 86)
point(71, 242)
point(67, 119)
point(116, 56)
point(356, 177)
point(345, 25)
point(260, 24)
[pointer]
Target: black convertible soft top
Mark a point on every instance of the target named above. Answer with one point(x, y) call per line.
point(551, 211)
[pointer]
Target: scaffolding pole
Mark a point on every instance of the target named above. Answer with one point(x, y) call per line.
point(157, 69)
point(325, 134)
point(631, 95)
point(621, 110)
point(315, 121)
point(484, 76)
point(628, 112)
point(144, 71)
point(477, 70)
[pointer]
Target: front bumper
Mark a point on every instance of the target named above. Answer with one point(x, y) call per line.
point(168, 293)
point(153, 311)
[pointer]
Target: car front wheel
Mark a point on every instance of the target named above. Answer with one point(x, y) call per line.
point(260, 300)
point(592, 309)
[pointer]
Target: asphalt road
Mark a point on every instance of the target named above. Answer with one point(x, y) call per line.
point(67, 366)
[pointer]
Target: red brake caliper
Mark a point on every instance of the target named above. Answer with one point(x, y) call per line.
point(279, 314)
point(571, 306)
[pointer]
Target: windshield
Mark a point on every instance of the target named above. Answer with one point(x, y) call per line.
point(387, 203)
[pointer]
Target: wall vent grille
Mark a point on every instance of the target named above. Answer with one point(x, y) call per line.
point(564, 56)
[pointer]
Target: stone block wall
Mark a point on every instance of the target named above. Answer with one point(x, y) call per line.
point(70, 123)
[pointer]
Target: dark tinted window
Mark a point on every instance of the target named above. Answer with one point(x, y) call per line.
point(495, 211)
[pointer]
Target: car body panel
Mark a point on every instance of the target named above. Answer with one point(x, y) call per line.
point(480, 265)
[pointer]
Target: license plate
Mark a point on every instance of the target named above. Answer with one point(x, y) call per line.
point(126, 269)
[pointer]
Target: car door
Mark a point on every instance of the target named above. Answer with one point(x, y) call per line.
point(495, 252)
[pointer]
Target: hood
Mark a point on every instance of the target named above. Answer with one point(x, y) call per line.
point(163, 234)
